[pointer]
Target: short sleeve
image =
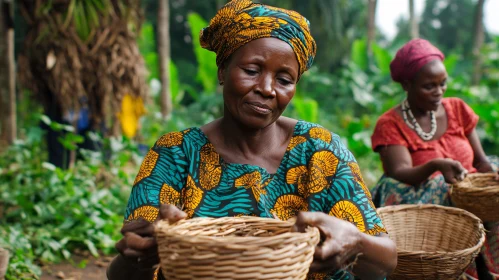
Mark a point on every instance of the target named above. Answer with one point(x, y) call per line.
point(466, 116)
point(160, 179)
point(387, 133)
point(346, 196)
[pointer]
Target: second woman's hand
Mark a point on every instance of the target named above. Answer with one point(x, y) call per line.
point(340, 241)
point(452, 170)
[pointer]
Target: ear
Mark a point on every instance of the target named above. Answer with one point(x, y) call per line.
point(220, 74)
point(406, 85)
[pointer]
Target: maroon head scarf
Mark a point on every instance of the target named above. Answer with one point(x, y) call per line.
point(411, 58)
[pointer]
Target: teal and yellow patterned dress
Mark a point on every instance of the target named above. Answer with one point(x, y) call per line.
point(317, 173)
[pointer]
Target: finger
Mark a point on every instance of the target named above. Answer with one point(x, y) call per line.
point(326, 250)
point(328, 265)
point(133, 253)
point(305, 219)
point(137, 242)
point(147, 230)
point(171, 213)
point(134, 225)
point(121, 245)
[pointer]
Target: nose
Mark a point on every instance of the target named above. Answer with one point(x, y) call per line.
point(265, 86)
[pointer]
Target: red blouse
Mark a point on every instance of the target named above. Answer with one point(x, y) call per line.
point(392, 130)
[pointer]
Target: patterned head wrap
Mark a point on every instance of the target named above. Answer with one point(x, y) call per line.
point(411, 58)
point(242, 21)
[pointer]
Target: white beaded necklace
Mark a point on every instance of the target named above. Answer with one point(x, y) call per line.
point(414, 125)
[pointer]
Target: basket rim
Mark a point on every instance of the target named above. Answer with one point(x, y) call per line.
point(466, 186)
point(453, 210)
point(164, 228)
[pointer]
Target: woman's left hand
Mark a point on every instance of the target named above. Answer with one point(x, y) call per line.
point(486, 167)
point(341, 240)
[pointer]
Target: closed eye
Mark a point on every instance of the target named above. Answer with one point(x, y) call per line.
point(250, 72)
point(284, 82)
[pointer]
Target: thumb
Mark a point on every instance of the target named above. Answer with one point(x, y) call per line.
point(305, 219)
point(171, 213)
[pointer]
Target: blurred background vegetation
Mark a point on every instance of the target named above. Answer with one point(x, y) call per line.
point(60, 46)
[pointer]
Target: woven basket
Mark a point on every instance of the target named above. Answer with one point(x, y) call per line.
point(433, 242)
point(478, 194)
point(234, 248)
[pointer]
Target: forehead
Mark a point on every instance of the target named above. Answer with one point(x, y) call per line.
point(433, 69)
point(271, 49)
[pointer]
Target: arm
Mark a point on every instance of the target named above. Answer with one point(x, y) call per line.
point(480, 160)
point(154, 195)
point(397, 163)
point(138, 248)
point(378, 259)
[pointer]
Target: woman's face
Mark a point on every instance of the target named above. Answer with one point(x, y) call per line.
point(259, 81)
point(425, 92)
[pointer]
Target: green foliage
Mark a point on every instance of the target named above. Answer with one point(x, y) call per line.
point(306, 108)
point(47, 212)
point(147, 46)
point(207, 69)
point(359, 54)
point(86, 15)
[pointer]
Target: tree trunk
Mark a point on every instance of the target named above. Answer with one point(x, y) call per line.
point(478, 42)
point(4, 262)
point(413, 21)
point(371, 25)
point(164, 57)
point(7, 73)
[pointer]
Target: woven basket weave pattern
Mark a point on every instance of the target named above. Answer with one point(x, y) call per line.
point(478, 194)
point(433, 242)
point(234, 248)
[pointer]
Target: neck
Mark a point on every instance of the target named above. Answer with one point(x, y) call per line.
point(247, 140)
point(417, 112)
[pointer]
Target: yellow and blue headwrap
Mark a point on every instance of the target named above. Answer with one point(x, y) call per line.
point(242, 21)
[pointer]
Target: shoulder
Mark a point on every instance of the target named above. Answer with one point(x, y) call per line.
point(389, 122)
point(457, 104)
point(389, 116)
point(454, 101)
point(320, 139)
point(178, 139)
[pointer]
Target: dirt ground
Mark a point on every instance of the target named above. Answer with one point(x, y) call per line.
point(95, 269)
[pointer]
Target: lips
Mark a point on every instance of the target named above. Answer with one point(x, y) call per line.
point(259, 107)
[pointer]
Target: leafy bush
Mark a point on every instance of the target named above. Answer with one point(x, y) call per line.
point(46, 212)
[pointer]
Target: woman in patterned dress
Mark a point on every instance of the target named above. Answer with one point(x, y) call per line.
point(420, 165)
point(253, 161)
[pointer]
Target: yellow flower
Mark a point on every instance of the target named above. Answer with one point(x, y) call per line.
point(132, 108)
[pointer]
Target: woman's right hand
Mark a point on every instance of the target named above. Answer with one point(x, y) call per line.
point(452, 170)
point(139, 244)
